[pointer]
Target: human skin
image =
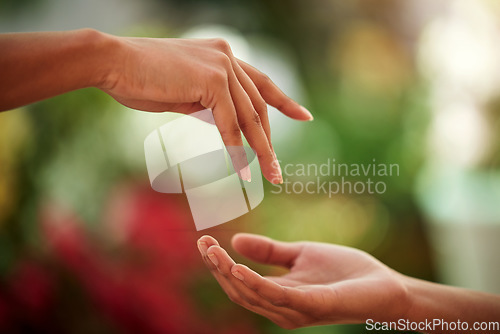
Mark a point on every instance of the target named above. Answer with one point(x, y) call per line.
point(150, 74)
point(332, 284)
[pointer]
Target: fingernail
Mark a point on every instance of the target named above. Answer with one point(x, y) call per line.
point(238, 275)
point(202, 246)
point(245, 174)
point(307, 112)
point(213, 258)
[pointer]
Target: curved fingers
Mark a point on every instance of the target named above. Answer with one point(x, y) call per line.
point(232, 97)
point(224, 264)
point(274, 293)
point(221, 264)
point(258, 102)
point(226, 121)
point(251, 124)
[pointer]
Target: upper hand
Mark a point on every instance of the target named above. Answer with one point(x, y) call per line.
point(326, 284)
point(189, 75)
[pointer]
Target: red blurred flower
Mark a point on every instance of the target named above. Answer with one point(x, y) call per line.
point(143, 283)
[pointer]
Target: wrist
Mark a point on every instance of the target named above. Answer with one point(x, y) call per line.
point(435, 301)
point(403, 299)
point(431, 301)
point(102, 50)
point(412, 287)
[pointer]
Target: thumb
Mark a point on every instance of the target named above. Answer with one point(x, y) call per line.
point(266, 250)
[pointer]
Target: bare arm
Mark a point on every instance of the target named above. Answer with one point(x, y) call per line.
point(437, 301)
point(36, 66)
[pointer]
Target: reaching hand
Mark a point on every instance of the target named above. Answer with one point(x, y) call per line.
point(326, 284)
point(189, 75)
point(151, 74)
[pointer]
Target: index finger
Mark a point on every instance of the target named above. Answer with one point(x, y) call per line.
point(274, 96)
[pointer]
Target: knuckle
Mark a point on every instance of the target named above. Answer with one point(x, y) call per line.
point(232, 131)
point(282, 103)
point(282, 300)
point(224, 61)
point(255, 119)
point(264, 79)
point(251, 121)
point(217, 77)
point(221, 44)
point(260, 106)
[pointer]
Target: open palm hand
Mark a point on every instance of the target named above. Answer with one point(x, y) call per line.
point(325, 284)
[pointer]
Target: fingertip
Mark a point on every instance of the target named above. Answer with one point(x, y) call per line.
point(244, 235)
point(245, 174)
point(239, 267)
point(202, 247)
point(215, 254)
point(204, 242)
point(208, 240)
point(235, 238)
point(237, 272)
point(203, 238)
point(273, 173)
point(306, 113)
point(221, 254)
point(275, 179)
point(243, 273)
point(239, 238)
point(213, 249)
point(245, 270)
point(297, 112)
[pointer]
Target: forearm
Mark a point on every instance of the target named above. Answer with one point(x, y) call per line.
point(35, 66)
point(435, 301)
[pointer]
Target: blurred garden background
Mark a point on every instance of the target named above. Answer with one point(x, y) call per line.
point(86, 246)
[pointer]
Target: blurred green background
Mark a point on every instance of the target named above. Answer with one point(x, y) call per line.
point(87, 247)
